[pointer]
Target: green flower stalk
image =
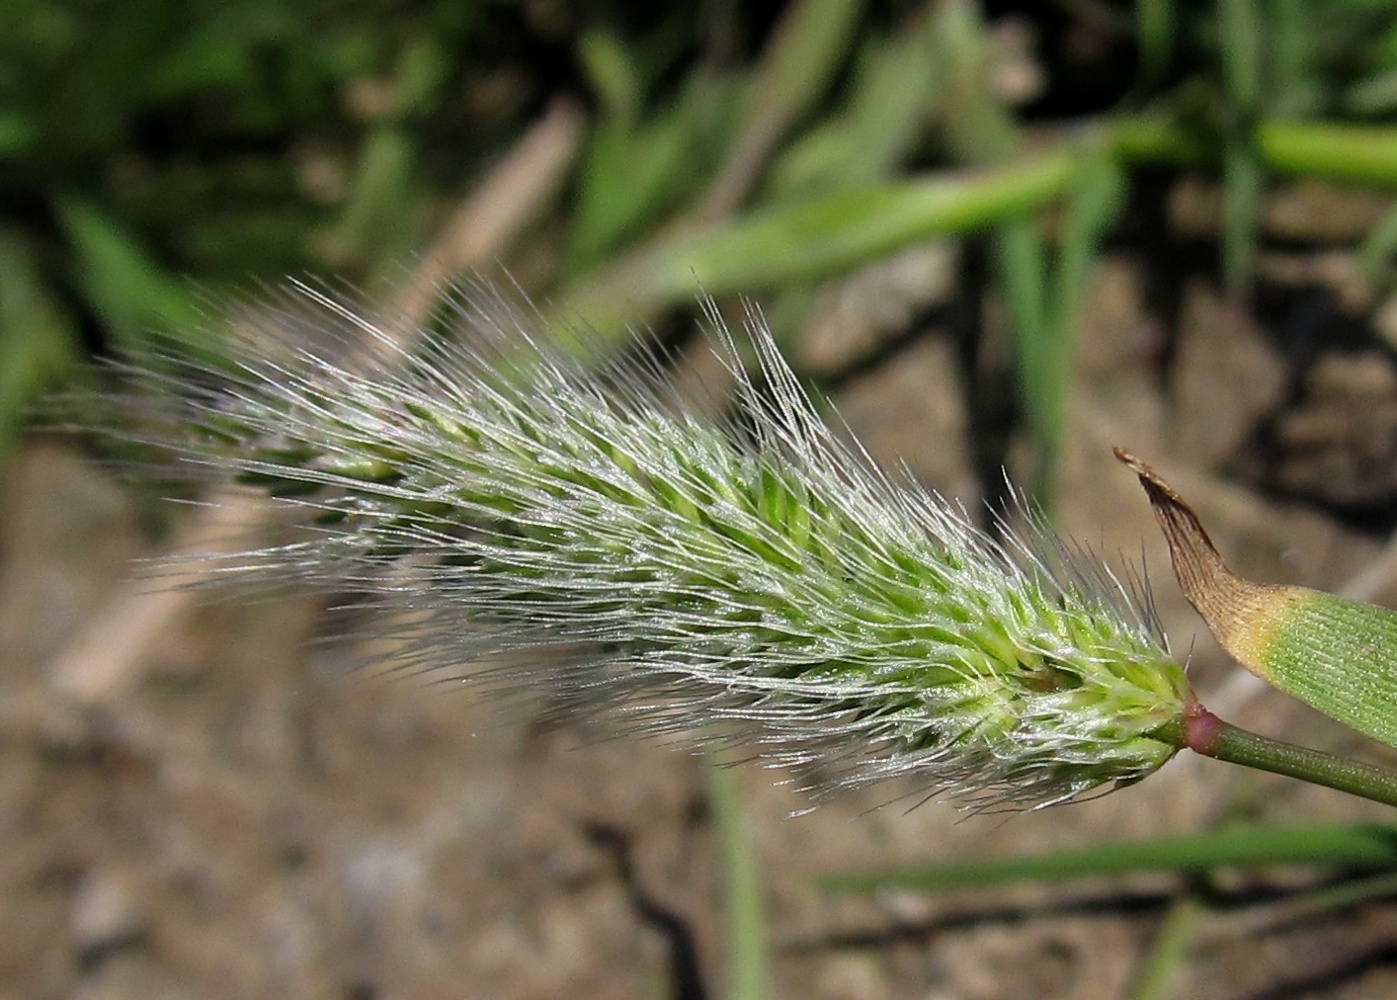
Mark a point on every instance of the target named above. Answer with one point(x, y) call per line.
point(568, 525)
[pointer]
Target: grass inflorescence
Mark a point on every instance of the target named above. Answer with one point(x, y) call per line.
point(755, 581)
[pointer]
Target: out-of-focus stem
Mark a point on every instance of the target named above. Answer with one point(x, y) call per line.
point(812, 239)
point(1363, 154)
point(1366, 154)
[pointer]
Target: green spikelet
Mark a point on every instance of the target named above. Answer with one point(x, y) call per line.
point(759, 583)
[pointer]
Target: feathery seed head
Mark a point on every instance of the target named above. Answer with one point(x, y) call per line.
point(579, 528)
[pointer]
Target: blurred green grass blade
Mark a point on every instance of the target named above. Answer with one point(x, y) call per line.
point(1378, 250)
point(897, 101)
point(1159, 140)
point(1366, 846)
point(1091, 207)
point(1375, 95)
point(423, 70)
point(1156, 24)
point(1243, 183)
point(1240, 41)
point(38, 343)
point(1093, 203)
point(376, 226)
point(1347, 894)
point(1335, 151)
point(221, 52)
point(636, 173)
point(812, 239)
point(1364, 154)
point(982, 130)
point(979, 128)
point(625, 176)
point(1154, 978)
point(18, 134)
point(127, 290)
point(892, 96)
point(811, 42)
point(747, 956)
point(1022, 259)
point(1291, 90)
point(891, 102)
point(612, 75)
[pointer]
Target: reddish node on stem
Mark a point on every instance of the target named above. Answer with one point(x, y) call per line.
point(1201, 730)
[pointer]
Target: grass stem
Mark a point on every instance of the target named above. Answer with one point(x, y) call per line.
point(1206, 734)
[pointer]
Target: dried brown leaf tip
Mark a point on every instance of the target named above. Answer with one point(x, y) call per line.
point(1240, 613)
point(1337, 655)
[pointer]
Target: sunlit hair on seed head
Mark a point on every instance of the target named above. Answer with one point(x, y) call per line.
point(570, 522)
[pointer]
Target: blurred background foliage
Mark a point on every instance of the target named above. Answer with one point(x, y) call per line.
point(158, 154)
